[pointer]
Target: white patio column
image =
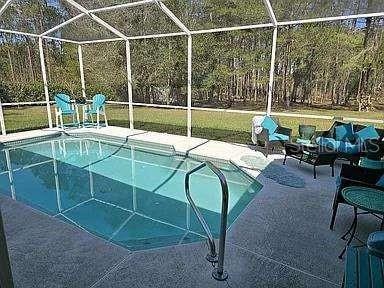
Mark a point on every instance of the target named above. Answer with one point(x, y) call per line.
point(129, 78)
point(43, 72)
point(2, 122)
point(189, 88)
point(272, 72)
point(81, 66)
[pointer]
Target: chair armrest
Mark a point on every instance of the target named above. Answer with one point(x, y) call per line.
point(284, 130)
point(361, 173)
point(375, 244)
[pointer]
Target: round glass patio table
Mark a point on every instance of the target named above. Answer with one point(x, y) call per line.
point(367, 199)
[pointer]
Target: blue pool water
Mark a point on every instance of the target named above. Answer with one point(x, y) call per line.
point(130, 194)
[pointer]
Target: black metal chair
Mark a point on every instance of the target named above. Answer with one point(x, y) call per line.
point(351, 175)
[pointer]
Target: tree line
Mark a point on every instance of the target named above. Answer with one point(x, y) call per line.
point(331, 64)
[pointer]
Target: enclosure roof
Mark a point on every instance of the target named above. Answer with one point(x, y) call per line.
point(91, 21)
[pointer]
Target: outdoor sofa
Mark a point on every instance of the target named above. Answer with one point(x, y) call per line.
point(349, 140)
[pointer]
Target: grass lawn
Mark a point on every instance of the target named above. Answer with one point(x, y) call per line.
point(231, 127)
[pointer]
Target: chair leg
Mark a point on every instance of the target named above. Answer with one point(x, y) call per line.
point(285, 159)
point(314, 171)
point(57, 119)
point(61, 121)
point(335, 205)
point(334, 212)
point(105, 119)
point(77, 117)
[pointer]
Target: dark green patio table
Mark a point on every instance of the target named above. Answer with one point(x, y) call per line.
point(367, 199)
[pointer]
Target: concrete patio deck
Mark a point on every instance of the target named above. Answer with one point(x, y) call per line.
point(281, 239)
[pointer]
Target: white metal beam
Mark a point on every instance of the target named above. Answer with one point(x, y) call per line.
point(101, 41)
point(2, 122)
point(62, 24)
point(45, 82)
point(271, 13)
point(329, 19)
point(36, 35)
point(81, 67)
point(129, 84)
point(272, 72)
point(97, 19)
point(153, 36)
point(235, 28)
point(121, 6)
point(172, 16)
point(61, 39)
point(5, 6)
point(19, 33)
point(189, 88)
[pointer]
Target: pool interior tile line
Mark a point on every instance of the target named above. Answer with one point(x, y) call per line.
point(283, 264)
point(121, 227)
point(71, 208)
point(148, 217)
point(76, 225)
point(182, 238)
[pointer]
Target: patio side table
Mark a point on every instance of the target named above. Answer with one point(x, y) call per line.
point(369, 200)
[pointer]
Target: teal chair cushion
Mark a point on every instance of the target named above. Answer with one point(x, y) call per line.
point(339, 146)
point(303, 141)
point(367, 133)
point(344, 132)
point(328, 142)
point(373, 164)
point(349, 148)
point(270, 124)
point(278, 137)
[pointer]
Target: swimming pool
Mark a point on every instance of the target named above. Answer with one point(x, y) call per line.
point(131, 194)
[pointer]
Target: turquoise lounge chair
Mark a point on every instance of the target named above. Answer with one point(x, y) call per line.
point(364, 265)
point(97, 107)
point(64, 107)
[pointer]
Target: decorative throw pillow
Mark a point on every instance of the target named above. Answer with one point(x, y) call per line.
point(344, 132)
point(269, 124)
point(368, 133)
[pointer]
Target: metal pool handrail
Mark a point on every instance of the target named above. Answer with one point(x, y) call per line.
point(218, 273)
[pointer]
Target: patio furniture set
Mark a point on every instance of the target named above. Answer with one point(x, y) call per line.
point(346, 141)
point(67, 107)
point(360, 184)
